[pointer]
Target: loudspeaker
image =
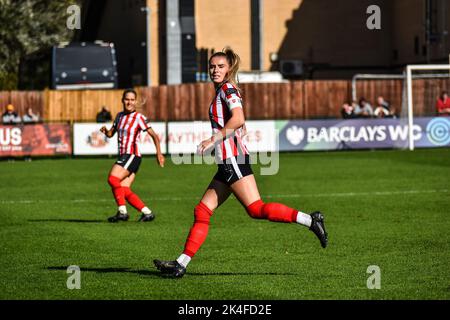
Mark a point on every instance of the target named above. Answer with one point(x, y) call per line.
point(291, 67)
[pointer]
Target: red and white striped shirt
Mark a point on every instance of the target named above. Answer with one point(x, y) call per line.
point(227, 98)
point(129, 127)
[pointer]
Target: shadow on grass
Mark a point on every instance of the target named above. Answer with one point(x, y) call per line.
point(158, 274)
point(67, 220)
point(112, 270)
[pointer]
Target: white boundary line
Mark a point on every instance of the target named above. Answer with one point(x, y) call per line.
point(294, 195)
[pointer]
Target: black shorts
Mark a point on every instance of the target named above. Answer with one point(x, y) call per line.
point(233, 169)
point(129, 162)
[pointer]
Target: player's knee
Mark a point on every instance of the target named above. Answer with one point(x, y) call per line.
point(255, 210)
point(114, 181)
point(202, 213)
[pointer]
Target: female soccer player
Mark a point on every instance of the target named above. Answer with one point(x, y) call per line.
point(128, 124)
point(234, 174)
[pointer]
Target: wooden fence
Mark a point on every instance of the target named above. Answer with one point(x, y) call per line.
point(425, 93)
point(21, 100)
point(80, 105)
point(309, 99)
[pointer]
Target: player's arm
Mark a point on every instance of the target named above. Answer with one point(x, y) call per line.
point(236, 121)
point(159, 155)
point(109, 133)
point(234, 103)
point(244, 131)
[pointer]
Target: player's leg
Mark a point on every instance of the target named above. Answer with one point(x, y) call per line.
point(246, 191)
point(216, 193)
point(115, 177)
point(125, 166)
point(134, 200)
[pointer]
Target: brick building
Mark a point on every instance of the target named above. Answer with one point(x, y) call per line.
point(317, 39)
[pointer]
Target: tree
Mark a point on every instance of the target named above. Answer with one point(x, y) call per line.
point(28, 26)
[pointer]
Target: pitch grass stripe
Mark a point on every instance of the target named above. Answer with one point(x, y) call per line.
point(299, 195)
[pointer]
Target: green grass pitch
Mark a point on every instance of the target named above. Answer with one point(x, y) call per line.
point(384, 208)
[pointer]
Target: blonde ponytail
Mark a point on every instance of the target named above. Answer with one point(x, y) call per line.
point(234, 60)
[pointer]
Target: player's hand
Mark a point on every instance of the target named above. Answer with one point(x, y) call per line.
point(160, 158)
point(103, 130)
point(205, 145)
point(244, 130)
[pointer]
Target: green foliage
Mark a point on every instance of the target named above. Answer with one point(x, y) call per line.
point(8, 81)
point(28, 26)
point(384, 208)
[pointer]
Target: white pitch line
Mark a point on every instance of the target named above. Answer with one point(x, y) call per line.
point(356, 194)
point(298, 195)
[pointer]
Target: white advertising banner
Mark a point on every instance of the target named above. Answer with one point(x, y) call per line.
point(184, 137)
point(88, 140)
point(261, 136)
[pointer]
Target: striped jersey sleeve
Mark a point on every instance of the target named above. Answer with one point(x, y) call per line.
point(231, 96)
point(143, 123)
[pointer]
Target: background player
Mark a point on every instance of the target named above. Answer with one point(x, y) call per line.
point(129, 124)
point(234, 174)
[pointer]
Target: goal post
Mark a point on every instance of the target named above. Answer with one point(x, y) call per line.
point(412, 97)
point(409, 88)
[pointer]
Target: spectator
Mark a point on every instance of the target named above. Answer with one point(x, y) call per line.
point(354, 106)
point(347, 111)
point(363, 109)
point(10, 116)
point(104, 115)
point(383, 109)
point(443, 104)
point(30, 116)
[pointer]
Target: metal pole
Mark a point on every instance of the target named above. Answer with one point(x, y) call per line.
point(148, 43)
point(428, 28)
point(410, 107)
point(149, 53)
point(354, 98)
point(261, 34)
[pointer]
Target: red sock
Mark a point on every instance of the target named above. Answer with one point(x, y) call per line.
point(133, 199)
point(199, 230)
point(117, 190)
point(276, 212)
